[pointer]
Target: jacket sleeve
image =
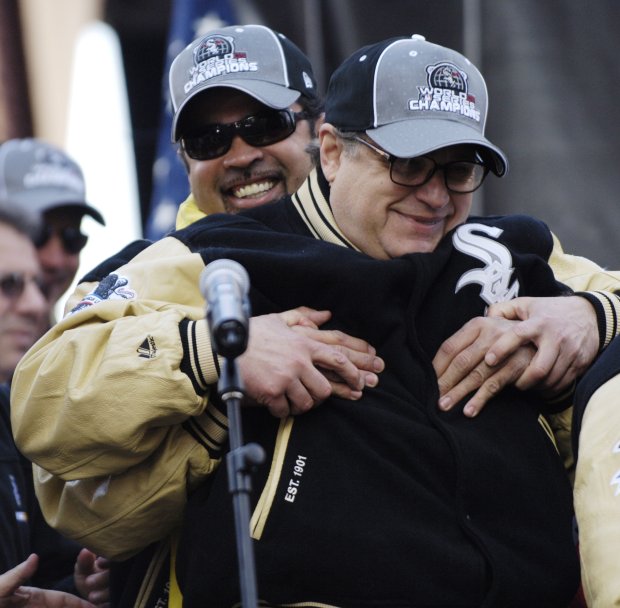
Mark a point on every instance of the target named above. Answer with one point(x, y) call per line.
point(597, 496)
point(112, 403)
point(601, 287)
point(597, 473)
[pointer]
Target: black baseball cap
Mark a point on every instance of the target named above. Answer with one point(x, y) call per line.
point(411, 97)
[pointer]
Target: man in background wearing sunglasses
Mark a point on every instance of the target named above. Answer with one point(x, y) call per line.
point(23, 307)
point(41, 178)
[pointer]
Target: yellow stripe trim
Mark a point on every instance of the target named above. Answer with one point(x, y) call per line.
point(547, 428)
point(259, 517)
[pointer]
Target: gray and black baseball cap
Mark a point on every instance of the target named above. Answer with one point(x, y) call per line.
point(412, 97)
point(38, 176)
point(251, 58)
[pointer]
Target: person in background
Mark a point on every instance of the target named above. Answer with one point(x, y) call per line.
point(41, 178)
point(23, 308)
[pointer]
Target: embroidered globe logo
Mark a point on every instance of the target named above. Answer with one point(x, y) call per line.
point(447, 76)
point(213, 46)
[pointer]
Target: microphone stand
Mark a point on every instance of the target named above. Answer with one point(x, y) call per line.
point(239, 462)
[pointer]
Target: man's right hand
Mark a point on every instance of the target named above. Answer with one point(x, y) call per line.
point(291, 365)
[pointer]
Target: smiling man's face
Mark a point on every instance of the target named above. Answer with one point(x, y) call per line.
point(245, 176)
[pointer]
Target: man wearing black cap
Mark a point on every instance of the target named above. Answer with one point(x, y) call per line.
point(386, 501)
point(41, 178)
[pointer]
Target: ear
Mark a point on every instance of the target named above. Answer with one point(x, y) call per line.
point(331, 151)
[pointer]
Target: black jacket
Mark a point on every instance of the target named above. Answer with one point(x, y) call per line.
point(22, 528)
point(388, 501)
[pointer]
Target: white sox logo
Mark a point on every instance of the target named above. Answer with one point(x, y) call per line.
point(495, 276)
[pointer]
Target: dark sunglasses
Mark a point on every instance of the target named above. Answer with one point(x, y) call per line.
point(261, 129)
point(13, 284)
point(72, 239)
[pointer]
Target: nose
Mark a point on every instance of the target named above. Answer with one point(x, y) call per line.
point(434, 192)
point(241, 154)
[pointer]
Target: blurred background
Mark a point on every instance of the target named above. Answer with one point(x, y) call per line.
point(91, 76)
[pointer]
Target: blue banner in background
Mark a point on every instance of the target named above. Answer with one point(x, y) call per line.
point(189, 18)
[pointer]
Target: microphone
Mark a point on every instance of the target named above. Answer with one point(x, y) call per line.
point(225, 284)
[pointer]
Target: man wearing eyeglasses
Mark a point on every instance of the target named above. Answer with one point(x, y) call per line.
point(23, 309)
point(387, 501)
point(41, 178)
point(23, 306)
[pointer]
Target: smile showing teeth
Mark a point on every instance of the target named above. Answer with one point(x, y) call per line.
point(253, 189)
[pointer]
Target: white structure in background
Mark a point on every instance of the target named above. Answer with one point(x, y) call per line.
point(99, 138)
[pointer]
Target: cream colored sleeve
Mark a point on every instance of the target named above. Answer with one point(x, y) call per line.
point(102, 406)
point(98, 393)
point(597, 496)
point(118, 515)
point(581, 274)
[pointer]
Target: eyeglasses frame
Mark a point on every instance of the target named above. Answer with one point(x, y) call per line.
point(390, 158)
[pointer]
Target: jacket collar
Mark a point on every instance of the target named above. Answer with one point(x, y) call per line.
point(311, 201)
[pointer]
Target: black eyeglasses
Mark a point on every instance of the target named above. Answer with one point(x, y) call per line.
point(461, 176)
point(73, 241)
point(260, 129)
point(13, 284)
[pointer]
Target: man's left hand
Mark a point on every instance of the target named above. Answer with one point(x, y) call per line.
point(541, 343)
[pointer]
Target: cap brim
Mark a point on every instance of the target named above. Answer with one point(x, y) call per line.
point(268, 93)
point(409, 138)
point(83, 208)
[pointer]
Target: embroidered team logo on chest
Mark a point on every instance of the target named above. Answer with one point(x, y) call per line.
point(496, 275)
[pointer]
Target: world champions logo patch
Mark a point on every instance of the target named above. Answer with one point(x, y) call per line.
point(215, 56)
point(446, 91)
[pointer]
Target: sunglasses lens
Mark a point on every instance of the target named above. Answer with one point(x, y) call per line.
point(12, 285)
point(267, 128)
point(213, 141)
point(73, 241)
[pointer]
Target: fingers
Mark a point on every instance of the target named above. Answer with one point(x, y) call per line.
point(292, 369)
point(305, 317)
point(458, 343)
point(459, 357)
point(357, 351)
point(496, 379)
point(17, 576)
point(45, 598)
point(485, 380)
point(517, 309)
point(85, 563)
